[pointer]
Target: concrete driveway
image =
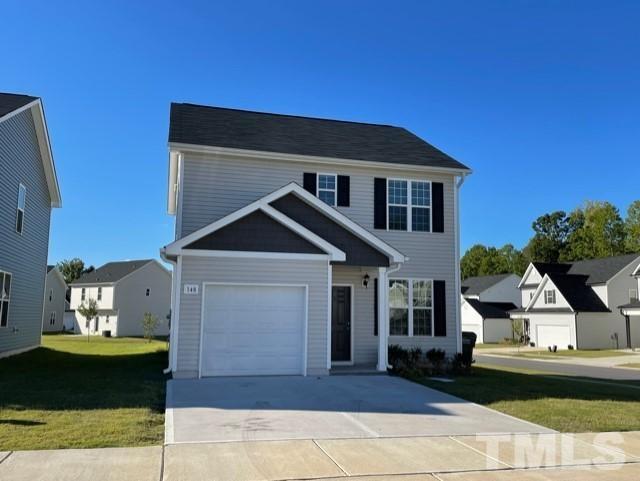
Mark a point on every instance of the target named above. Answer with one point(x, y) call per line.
point(331, 407)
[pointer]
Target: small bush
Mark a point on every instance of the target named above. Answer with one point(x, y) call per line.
point(149, 325)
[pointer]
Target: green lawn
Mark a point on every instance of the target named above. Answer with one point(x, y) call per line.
point(71, 393)
point(552, 401)
point(582, 353)
point(635, 365)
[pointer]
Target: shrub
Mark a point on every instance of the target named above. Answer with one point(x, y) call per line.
point(149, 325)
point(435, 356)
point(398, 357)
point(415, 356)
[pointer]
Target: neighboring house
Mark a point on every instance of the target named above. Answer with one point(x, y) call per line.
point(28, 191)
point(304, 244)
point(124, 291)
point(55, 290)
point(486, 302)
point(577, 304)
point(631, 312)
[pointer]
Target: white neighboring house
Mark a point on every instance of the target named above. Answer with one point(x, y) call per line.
point(124, 291)
point(55, 291)
point(486, 302)
point(631, 313)
point(579, 304)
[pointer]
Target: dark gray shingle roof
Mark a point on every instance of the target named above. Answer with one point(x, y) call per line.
point(288, 134)
point(492, 310)
point(111, 272)
point(598, 271)
point(50, 268)
point(476, 285)
point(10, 102)
point(578, 294)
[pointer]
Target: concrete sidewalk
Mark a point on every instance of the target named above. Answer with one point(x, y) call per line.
point(614, 457)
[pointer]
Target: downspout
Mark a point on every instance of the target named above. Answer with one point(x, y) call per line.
point(173, 293)
point(575, 317)
point(456, 203)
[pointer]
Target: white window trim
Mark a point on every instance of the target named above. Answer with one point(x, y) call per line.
point(50, 295)
point(550, 296)
point(3, 273)
point(633, 295)
point(334, 190)
point(83, 294)
point(410, 307)
point(52, 318)
point(409, 206)
point(21, 186)
point(99, 294)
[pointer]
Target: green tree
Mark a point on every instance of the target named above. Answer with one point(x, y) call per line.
point(598, 232)
point(515, 259)
point(88, 310)
point(72, 269)
point(471, 261)
point(550, 237)
point(632, 227)
point(149, 325)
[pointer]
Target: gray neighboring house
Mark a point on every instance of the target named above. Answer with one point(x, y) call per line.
point(28, 191)
point(55, 292)
point(307, 246)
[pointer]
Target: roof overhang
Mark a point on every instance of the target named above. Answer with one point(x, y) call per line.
point(545, 280)
point(176, 149)
point(334, 254)
point(44, 145)
point(522, 282)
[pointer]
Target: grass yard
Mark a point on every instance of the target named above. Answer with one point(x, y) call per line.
point(566, 353)
point(553, 401)
point(633, 365)
point(71, 393)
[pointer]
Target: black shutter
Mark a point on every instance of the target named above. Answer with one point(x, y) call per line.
point(379, 203)
point(375, 306)
point(343, 191)
point(309, 180)
point(437, 198)
point(439, 309)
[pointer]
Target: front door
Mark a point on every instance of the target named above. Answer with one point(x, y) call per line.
point(341, 324)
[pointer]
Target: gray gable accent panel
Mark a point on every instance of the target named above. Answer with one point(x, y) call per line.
point(256, 232)
point(358, 252)
point(290, 134)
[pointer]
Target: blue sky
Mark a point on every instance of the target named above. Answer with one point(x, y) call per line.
point(540, 98)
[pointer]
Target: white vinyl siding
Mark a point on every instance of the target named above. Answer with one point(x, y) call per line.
point(215, 187)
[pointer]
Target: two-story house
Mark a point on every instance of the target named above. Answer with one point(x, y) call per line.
point(55, 300)
point(124, 291)
point(306, 244)
point(631, 313)
point(28, 191)
point(486, 302)
point(577, 304)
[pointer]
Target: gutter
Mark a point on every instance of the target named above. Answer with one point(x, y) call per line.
point(164, 257)
point(457, 282)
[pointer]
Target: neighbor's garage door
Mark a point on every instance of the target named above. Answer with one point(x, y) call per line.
point(253, 330)
point(554, 336)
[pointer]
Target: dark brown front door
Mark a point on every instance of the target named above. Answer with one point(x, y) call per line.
point(341, 324)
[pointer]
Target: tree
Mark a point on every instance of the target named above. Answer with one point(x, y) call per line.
point(549, 240)
point(480, 260)
point(72, 269)
point(632, 228)
point(88, 310)
point(149, 325)
point(471, 261)
point(598, 231)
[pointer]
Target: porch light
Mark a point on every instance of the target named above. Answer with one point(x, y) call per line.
point(365, 281)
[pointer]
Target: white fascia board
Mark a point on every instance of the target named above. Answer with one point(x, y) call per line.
point(42, 135)
point(255, 255)
point(172, 185)
point(526, 275)
point(263, 204)
point(260, 154)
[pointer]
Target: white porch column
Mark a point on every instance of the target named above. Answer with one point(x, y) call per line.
point(329, 307)
point(383, 316)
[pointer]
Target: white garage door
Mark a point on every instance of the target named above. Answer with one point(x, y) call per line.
point(253, 330)
point(554, 336)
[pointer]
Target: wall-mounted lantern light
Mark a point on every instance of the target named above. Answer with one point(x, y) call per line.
point(365, 281)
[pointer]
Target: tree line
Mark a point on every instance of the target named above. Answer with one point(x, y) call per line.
point(593, 230)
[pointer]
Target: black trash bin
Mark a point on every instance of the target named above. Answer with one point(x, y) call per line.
point(468, 343)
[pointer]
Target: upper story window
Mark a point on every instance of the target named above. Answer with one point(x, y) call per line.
point(5, 297)
point(327, 188)
point(409, 205)
point(22, 201)
point(147, 292)
point(83, 294)
point(633, 295)
point(550, 296)
point(99, 293)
